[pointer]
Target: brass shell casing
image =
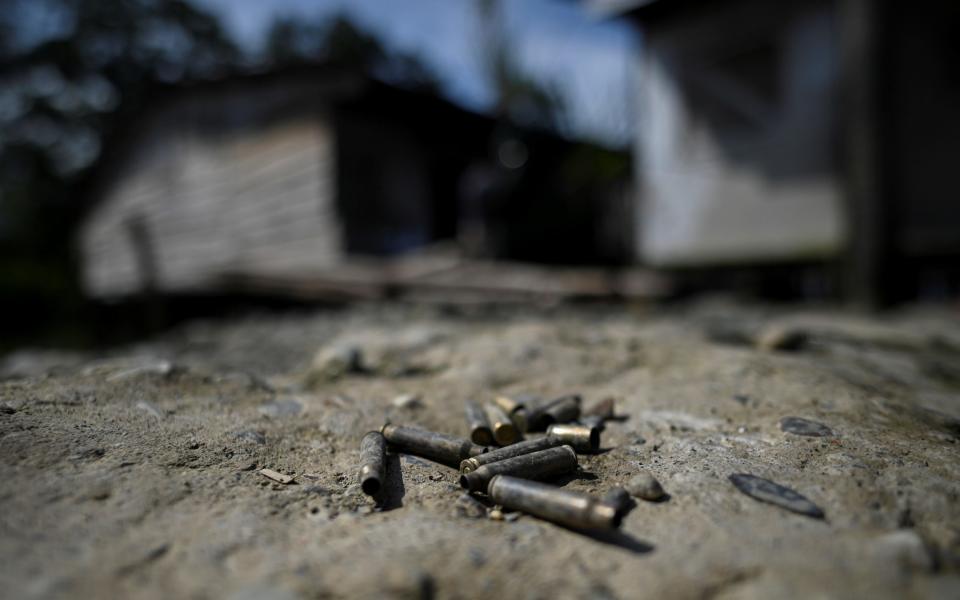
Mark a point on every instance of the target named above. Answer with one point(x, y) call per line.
point(444, 449)
point(582, 437)
point(566, 507)
point(516, 409)
point(518, 449)
point(504, 431)
point(543, 464)
point(480, 432)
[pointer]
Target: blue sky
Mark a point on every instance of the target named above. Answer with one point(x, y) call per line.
point(556, 40)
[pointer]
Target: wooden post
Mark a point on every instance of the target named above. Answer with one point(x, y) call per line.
point(866, 263)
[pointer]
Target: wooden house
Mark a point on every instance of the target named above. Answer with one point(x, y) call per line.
point(280, 180)
point(281, 172)
point(800, 132)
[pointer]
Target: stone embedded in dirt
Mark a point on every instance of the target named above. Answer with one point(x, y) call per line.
point(645, 486)
point(765, 490)
point(284, 407)
point(780, 337)
point(904, 548)
point(801, 426)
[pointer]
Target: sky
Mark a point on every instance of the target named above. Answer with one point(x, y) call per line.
point(588, 59)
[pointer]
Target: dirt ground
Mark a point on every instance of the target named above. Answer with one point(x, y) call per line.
point(134, 473)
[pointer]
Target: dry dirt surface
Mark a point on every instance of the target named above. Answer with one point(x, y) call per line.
point(135, 473)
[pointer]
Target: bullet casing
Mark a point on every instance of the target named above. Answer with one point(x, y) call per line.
point(593, 422)
point(603, 409)
point(542, 464)
point(569, 508)
point(480, 432)
point(516, 409)
point(518, 449)
point(510, 404)
point(444, 449)
point(540, 412)
point(581, 437)
point(564, 410)
point(373, 456)
point(598, 414)
point(504, 431)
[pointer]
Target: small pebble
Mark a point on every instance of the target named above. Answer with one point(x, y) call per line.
point(765, 490)
point(645, 486)
point(618, 498)
point(496, 514)
point(780, 337)
point(331, 363)
point(801, 426)
point(407, 401)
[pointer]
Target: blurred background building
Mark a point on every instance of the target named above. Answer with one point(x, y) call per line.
point(155, 152)
point(800, 133)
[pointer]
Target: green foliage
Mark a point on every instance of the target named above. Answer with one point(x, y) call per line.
point(70, 70)
point(519, 96)
point(341, 41)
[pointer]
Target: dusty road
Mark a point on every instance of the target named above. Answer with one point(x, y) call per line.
point(135, 474)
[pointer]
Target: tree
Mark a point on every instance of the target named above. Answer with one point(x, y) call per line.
point(339, 40)
point(518, 95)
point(72, 71)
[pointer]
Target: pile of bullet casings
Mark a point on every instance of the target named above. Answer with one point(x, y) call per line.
point(509, 475)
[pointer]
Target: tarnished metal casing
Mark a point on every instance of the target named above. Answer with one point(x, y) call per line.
point(518, 449)
point(444, 449)
point(504, 431)
point(581, 437)
point(598, 414)
point(543, 464)
point(516, 409)
point(566, 507)
point(373, 456)
point(564, 410)
point(480, 432)
point(604, 409)
point(541, 413)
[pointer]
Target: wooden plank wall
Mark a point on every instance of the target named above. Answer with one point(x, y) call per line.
point(735, 137)
point(194, 204)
